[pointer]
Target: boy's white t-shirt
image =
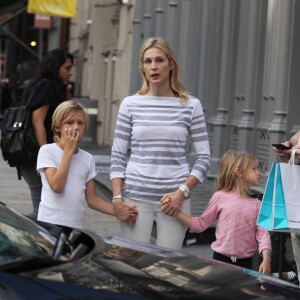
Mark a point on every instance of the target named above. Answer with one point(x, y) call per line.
point(66, 208)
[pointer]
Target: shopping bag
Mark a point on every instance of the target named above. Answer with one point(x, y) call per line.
point(280, 208)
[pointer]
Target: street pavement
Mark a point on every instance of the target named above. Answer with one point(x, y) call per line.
point(15, 194)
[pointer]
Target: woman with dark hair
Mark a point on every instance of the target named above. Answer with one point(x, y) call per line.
point(49, 86)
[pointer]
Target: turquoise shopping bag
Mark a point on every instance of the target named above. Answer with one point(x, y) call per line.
point(273, 214)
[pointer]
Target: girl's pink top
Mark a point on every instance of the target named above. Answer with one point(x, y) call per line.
point(236, 231)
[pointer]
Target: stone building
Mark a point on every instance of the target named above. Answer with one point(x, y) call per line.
point(239, 57)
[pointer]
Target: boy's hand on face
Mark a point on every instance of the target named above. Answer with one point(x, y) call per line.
point(69, 140)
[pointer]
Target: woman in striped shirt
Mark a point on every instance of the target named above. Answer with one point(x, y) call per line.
point(235, 213)
point(158, 122)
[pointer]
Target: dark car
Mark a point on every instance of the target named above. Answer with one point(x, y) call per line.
point(36, 263)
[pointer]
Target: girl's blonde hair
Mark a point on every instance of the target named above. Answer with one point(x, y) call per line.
point(232, 161)
point(175, 80)
point(64, 111)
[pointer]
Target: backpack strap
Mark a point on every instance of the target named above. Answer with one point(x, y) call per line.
point(33, 90)
point(19, 172)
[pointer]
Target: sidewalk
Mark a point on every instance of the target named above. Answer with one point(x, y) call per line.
point(15, 194)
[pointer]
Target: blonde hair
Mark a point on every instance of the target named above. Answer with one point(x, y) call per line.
point(175, 80)
point(64, 111)
point(232, 161)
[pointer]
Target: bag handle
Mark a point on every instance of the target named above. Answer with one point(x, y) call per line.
point(293, 154)
point(292, 159)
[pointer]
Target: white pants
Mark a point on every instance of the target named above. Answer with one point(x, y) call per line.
point(170, 232)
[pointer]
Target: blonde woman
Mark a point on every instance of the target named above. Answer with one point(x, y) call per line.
point(158, 121)
point(235, 213)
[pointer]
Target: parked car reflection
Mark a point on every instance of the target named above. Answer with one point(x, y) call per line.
point(40, 263)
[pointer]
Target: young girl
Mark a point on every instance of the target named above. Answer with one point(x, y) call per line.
point(235, 214)
point(68, 172)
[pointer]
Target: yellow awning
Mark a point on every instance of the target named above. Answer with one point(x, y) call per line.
point(55, 8)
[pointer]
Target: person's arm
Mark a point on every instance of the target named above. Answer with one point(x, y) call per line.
point(103, 206)
point(57, 177)
point(264, 246)
point(265, 266)
point(295, 138)
point(96, 202)
point(201, 223)
point(122, 137)
point(118, 201)
point(208, 217)
point(123, 211)
point(184, 219)
point(38, 119)
point(199, 138)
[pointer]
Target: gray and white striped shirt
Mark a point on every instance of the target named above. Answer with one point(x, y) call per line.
point(158, 129)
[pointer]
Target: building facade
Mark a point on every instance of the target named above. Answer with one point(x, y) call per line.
point(239, 57)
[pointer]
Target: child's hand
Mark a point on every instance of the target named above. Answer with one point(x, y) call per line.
point(69, 140)
point(265, 267)
point(132, 214)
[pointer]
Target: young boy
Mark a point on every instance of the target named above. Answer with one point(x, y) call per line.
point(68, 172)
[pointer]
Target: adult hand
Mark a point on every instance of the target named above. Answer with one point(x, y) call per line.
point(170, 204)
point(283, 155)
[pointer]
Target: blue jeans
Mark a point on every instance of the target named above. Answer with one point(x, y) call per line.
point(33, 179)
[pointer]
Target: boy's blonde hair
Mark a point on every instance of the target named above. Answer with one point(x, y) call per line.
point(231, 162)
point(64, 111)
point(175, 80)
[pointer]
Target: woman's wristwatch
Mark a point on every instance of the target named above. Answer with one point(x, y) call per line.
point(185, 191)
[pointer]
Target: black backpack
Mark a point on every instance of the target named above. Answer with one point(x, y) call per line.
point(18, 142)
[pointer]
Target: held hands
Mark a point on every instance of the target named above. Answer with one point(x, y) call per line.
point(170, 204)
point(124, 212)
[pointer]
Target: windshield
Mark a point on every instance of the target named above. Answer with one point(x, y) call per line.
point(22, 239)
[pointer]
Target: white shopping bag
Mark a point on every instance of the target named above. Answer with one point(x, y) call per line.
point(280, 208)
point(290, 176)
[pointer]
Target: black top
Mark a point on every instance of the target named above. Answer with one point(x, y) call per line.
point(45, 94)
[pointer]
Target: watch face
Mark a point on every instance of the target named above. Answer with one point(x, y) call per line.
point(185, 192)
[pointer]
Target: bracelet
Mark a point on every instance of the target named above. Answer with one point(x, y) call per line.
point(267, 253)
point(115, 198)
